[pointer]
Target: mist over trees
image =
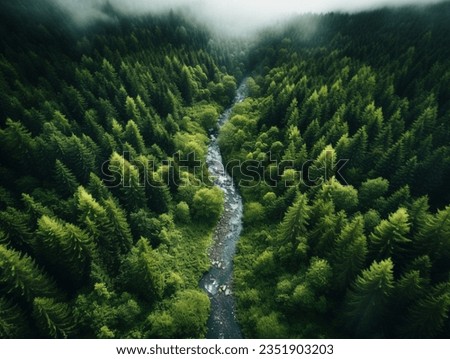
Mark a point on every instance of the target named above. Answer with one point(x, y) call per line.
point(87, 248)
point(362, 252)
point(105, 220)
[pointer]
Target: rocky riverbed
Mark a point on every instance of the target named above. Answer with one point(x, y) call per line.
point(222, 323)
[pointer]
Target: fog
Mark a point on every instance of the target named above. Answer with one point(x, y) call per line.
point(227, 16)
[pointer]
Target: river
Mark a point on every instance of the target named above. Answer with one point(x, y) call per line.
point(222, 323)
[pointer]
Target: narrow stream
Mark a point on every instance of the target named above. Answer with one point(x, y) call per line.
point(222, 323)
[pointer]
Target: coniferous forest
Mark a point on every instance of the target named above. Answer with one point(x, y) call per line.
point(343, 146)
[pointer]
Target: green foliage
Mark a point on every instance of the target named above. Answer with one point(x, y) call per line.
point(361, 127)
point(270, 327)
point(182, 213)
point(66, 248)
point(53, 319)
point(94, 195)
point(127, 179)
point(349, 253)
point(185, 317)
point(427, 316)
point(22, 278)
point(389, 237)
point(291, 233)
point(366, 302)
point(295, 220)
point(254, 213)
point(344, 197)
point(12, 321)
point(142, 272)
point(66, 182)
point(371, 190)
point(103, 313)
point(190, 311)
point(88, 123)
point(207, 204)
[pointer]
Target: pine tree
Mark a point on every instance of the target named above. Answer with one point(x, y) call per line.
point(35, 209)
point(350, 252)
point(371, 190)
point(18, 143)
point(389, 237)
point(323, 167)
point(312, 133)
point(19, 276)
point(53, 319)
point(325, 225)
point(366, 301)
point(187, 85)
point(66, 248)
point(343, 197)
point(97, 188)
point(435, 232)
point(133, 136)
point(418, 212)
point(128, 181)
point(65, 180)
point(142, 272)
point(13, 324)
point(409, 288)
point(428, 315)
point(433, 239)
point(118, 219)
point(15, 225)
point(372, 118)
point(95, 219)
point(311, 109)
point(80, 155)
point(291, 237)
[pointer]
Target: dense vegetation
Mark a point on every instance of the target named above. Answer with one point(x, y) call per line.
point(105, 219)
point(102, 217)
point(356, 249)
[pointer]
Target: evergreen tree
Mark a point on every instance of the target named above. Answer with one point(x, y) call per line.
point(97, 188)
point(127, 178)
point(366, 301)
point(291, 237)
point(66, 248)
point(349, 253)
point(20, 276)
point(428, 315)
point(53, 319)
point(121, 229)
point(134, 137)
point(390, 237)
point(65, 180)
point(142, 272)
point(16, 228)
point(13, 324)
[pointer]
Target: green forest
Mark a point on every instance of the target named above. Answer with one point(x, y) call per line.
point(344, 149)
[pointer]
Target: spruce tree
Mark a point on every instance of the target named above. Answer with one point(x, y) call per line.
point(291, 238)
point(128, 180)
point(66, 248)
point(390, 237)
point(349, 253)
point(13, 324)
point(366, 301)
point(22, 278)
point(428, 315)
point(142, 272)
point(53, 319)
point(65, 180)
